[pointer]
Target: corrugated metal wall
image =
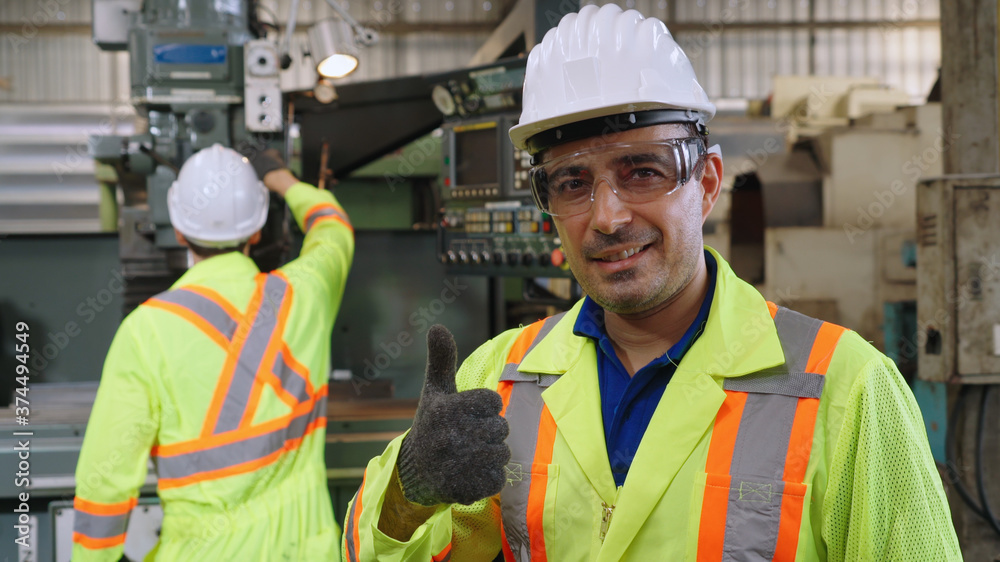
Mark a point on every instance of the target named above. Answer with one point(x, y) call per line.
point(736, 46)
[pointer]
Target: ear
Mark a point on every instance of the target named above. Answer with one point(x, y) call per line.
point(180, 238)
point(255, 238)
point(711, 184)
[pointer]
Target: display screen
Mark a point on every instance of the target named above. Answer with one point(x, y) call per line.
point(476, 155)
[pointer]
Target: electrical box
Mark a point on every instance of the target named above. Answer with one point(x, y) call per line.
point(111, 23)
point(958, 279)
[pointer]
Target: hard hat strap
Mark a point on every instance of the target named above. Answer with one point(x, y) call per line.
point(610, 124)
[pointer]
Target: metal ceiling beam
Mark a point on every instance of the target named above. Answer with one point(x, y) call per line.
point(403, 28)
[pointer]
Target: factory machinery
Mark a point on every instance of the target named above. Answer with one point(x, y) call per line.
point(201, 73)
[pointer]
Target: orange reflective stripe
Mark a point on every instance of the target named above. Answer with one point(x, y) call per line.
point(97, 544)
point(523, 342)
point(357, 514)
point(508, 554)
point(273, 346)
point(772, 308)
point(504, 389)
point(536, 495)
point(445, 554)
point(727, 424)
point(715, 504)
point(791, 520)
point(822, 350)
point(198, 322)
point(98, 508)
point(242, 468)
point(239, 338)
point(712, 529)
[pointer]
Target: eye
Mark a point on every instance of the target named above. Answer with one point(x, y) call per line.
point(571, 185)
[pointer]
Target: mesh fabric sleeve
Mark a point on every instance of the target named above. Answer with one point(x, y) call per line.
point(884, 499)
point(467, 533)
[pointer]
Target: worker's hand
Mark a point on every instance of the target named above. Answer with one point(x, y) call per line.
point(264, 160)
point(455, 451)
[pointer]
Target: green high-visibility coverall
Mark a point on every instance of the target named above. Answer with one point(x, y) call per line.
point(161, 390)
point(874, 492)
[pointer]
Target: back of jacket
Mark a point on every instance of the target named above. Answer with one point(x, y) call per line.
point(222, 382)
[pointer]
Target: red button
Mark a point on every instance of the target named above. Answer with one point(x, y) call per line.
point(447, 181)
point(546, 226)
point(557, 257)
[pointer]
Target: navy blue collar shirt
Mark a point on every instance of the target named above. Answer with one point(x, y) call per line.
point(627, 403)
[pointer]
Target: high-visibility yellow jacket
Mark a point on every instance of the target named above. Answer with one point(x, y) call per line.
point(753, 453)
point(222, 381)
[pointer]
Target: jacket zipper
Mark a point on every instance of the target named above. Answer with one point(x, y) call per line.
point(606, 512)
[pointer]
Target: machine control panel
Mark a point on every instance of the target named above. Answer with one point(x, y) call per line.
point(262, 88)
point(511, 238)
point(489, 224)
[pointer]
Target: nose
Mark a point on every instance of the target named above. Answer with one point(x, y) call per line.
point(608, 212)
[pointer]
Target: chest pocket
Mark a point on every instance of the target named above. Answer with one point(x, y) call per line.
point(754, 489)
point(531, 476)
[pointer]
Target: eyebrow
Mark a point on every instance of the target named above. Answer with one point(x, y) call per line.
point(564, 171)
point(641, 158)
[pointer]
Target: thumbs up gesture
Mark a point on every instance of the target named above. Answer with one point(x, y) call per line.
point(455, 451)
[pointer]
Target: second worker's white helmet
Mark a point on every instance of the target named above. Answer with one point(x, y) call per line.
point(217, 200)
point(605, 62)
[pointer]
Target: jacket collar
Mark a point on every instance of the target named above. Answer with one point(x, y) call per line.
point(739, 337)
point(229, 265)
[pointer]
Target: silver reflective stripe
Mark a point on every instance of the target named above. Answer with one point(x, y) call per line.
point(324, 212)
point(100, 526)
point(799, 385)
point(291, 381)
point(523, 414)
point(753, 515)
point(248, 363)
point(753, 535)
point(245, 450)
point(547, 326)
point(203, 307)
point(352, 554)
point(797, 333)
point(511, 374)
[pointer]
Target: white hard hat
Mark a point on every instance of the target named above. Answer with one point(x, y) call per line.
point(217, 200)
point(605, 62)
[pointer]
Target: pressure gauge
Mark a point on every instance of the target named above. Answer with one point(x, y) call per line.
point(443, 100)
point(262, 61)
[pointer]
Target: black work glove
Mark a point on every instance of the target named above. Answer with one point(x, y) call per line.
point(455, 451)
point(263, 159)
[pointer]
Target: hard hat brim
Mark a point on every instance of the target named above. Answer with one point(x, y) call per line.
point(520, 134)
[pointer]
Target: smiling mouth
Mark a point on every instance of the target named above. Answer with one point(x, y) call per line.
point(622, 254)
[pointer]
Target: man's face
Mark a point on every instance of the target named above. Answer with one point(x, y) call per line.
point(633, 257)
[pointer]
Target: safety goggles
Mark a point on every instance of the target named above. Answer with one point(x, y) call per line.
point(637, 172)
